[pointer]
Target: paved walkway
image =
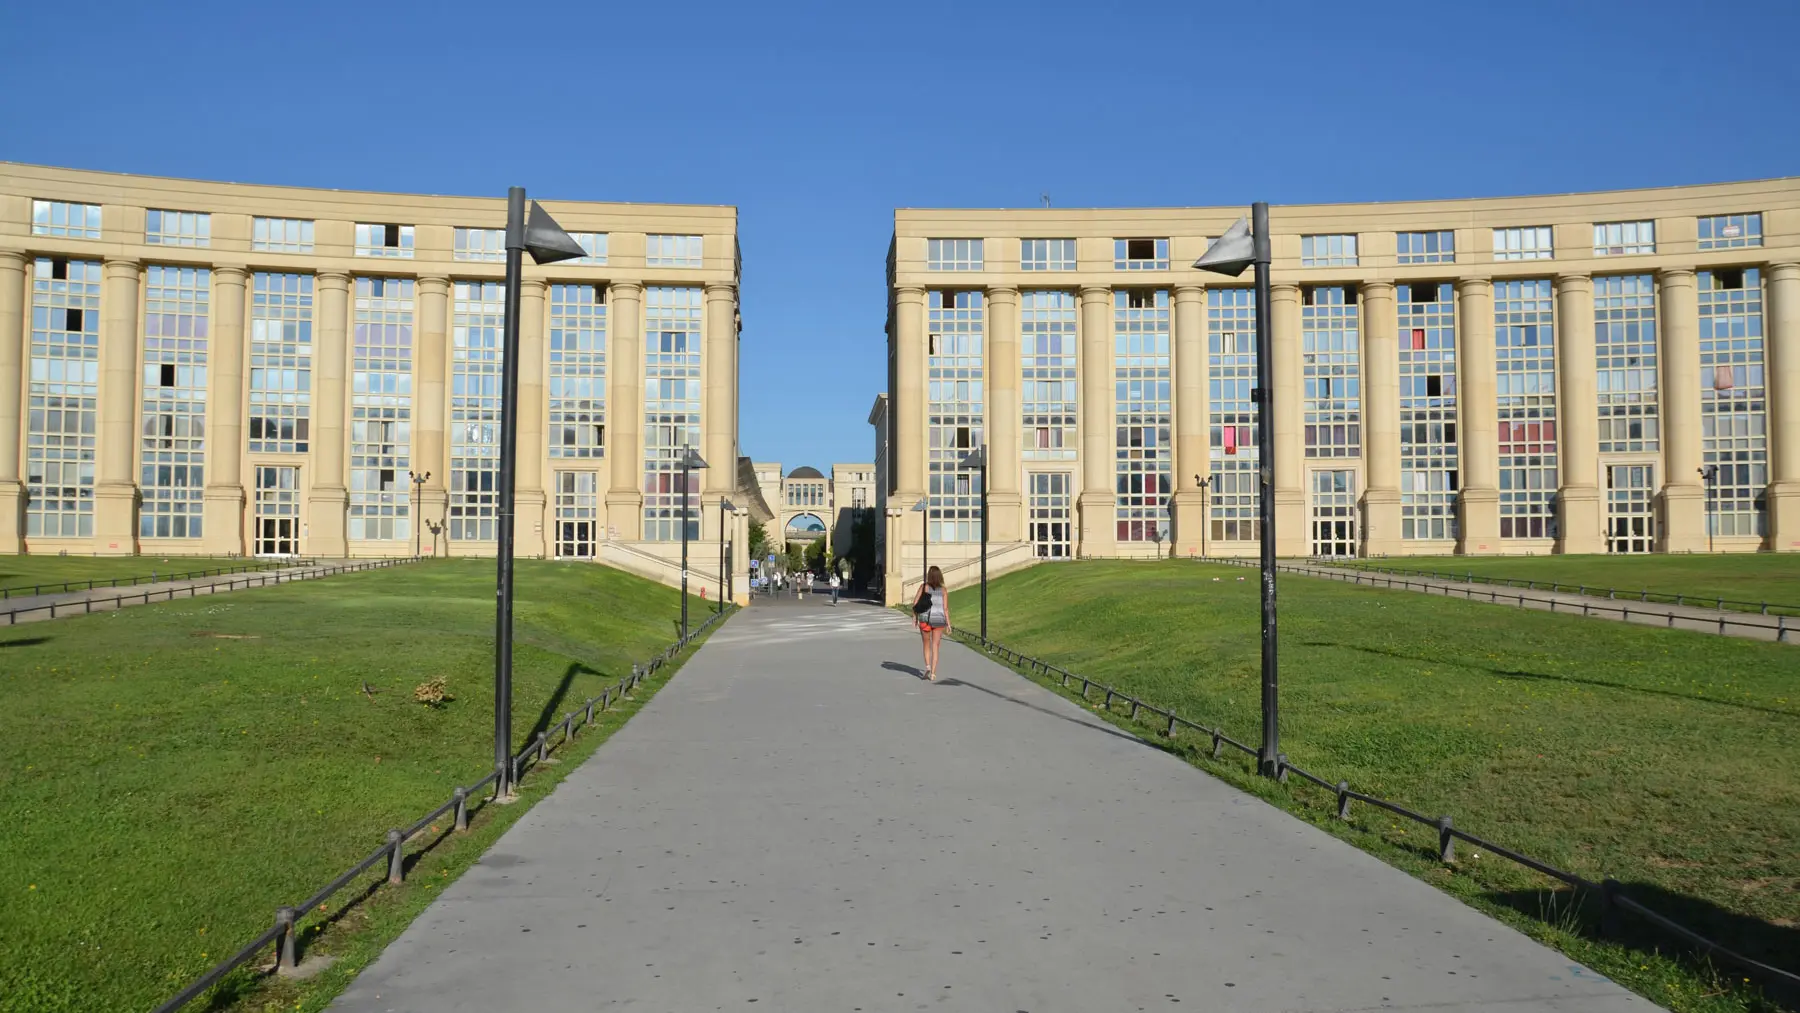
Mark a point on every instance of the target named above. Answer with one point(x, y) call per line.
point(62, 604)
point(798, 822)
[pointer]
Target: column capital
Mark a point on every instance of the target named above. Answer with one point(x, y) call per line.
point(910, 293)
point(1675, 275)
point(627, 289)
point(1097, 292)
point(1003, 293)
point(1284, 290)
point(1190, 293)
point(1381, 285)
point(434, 284)
point(1474, 283)
point(1574, 283)
point(230, 275)
point(117, 267)
point(332, 278)
point(721, 290)
point(1784, 271)
point(12, 259)
point(534, 288)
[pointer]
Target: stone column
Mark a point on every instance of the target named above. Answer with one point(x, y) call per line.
point(1783, 349)
point(1580, 521)
point(1098, 504)
point(1381, 421)
point(1477, 417)
point(1684, 498)
point(1006, 523)
point(115, 488)
point(224, 497)
point(625, 410)
point(1290, 450)
point(12, 373)
point(327, 499)
point(431, 414)
point(909, 409)
point(528, 496)
point(1192, 449)
point(720, 424)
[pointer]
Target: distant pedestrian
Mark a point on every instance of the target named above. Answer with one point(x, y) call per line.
point(836, 587)
point(932, 610)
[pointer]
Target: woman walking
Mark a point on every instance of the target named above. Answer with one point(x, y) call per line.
point(933, 612)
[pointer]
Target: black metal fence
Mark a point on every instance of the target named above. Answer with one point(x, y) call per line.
point(1643, 595)
point(1622, 610)
point(1781, 984)
point(57, 609)
point(51, 587)
point(284, 934)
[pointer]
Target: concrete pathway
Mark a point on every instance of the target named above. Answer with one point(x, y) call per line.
point(798, 822)
point(62, 604)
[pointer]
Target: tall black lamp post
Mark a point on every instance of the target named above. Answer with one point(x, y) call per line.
point(726, 507)
point(1710, 476)
point(418, 483)
point(539, 235)
point(1244, 245)
point(1203, 481)
point(977, 459)
point(690, 462)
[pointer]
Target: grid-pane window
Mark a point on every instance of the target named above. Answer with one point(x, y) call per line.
point(478, 244)
point(1140, 254)
point(173, 460)
point(954, 374)
point(577, 514)
point(281, 309)
point(1048, 397)
point(1330, 349)
point(281, 235)
point(594, 243)
point(381, 392)
point(1733, 402)
point(1428, 409)
point(1726, 232)
point(1426, 247)
point(577, 371)
point(1233, 494)
point(61, 218)
point(1625, 362)
point(671, 411)
point(673, 251)
point(953, 254)
point(375, 240)
point(63, 409)
point(177, 228)
point(477, 323)
point(1047, 255)
point(1143, 456)
point(1328, 251)
point(1529, 243)
point(1613, 239)
point(1525, 382)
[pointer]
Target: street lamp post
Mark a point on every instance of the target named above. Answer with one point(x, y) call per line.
point(1710, 476)
point(418, 483)
point(1243, 245)
point(977, 459)
point(689, 462)
point(725, 506)
point(1203, 481)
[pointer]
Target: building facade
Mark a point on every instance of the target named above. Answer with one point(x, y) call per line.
point(1572, 373)
point(813, 506)
point(192, 367)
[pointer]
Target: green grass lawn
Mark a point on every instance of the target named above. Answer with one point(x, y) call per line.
point(28, 570)
point(1750, 577)
point(1668, 760)
point(176, 771)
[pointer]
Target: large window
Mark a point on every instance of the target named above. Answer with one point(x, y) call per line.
point(478, 244)
point(1143, 455)
point(1612, 239)
point(1530, 243)
point(281, 309)
point(595, 243)
point(1233, 493)
point(477, 324)
point(177, 228)
point(953, 254)
point(65, 380)
point(173, 461)
point(1426, 247)
point(1525, 349)
point(1428, 410)
point(1047, 255)
point(577, 371)
point(1140, 254)
point(1733, 400)
point(674, 251)
point(1625, 362)
point(381, 387)
point(1328, 251)
point(1726, 232)
point(61, 218)
point(671, 410)
point(281, 235)
point(1332, 367)
point(374, 240)
point(955, 411)
point(1048, 398)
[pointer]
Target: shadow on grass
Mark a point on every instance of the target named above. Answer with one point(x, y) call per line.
point(1095, 725)
point(553, 706)
point(1511, 673)
point(26, 642)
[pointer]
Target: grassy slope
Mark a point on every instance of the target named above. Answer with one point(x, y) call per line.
point(17, 570)
point(176, 771)
point(1662, 758)
point(1770, 577)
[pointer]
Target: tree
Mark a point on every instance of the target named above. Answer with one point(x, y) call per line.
point(815, 554)
point(759, 540)
point(796, 557)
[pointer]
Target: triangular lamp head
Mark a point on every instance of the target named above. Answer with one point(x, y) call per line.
point(1230, 253)
point(546, 241)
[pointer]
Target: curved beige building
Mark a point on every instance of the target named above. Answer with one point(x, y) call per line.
point(195, 367)
point(1572, 373)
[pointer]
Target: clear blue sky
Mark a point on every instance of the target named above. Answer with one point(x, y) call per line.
point(817, 120)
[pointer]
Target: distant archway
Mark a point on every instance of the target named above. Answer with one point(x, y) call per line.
point(805, 526)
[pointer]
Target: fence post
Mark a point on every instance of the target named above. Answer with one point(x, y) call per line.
point(1446, 842)
point(1217, 742)
point(284, 943)
point(543, 737)
point(396, 857)
point(1170, 731)
point(1343, 797)
point(1781, 629)
point(1281, 766)
point(605, 699)
point(462, 808)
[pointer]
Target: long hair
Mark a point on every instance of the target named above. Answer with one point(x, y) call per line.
point(934, 577)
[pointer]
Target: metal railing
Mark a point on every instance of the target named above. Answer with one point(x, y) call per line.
point(1643, 596)
point(1610, 892)
point(284, 935)
point(50, 587)
point(1623, 611)
point(86, 605)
